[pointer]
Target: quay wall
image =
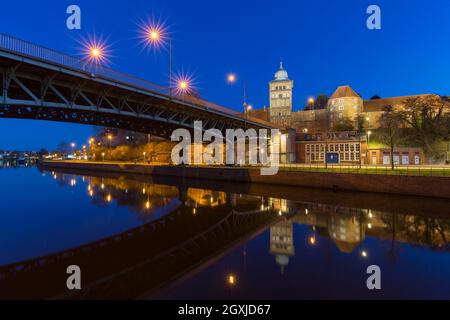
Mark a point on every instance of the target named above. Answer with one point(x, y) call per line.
point(427, 186)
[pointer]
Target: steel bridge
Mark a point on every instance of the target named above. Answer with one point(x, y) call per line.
point(43, 84)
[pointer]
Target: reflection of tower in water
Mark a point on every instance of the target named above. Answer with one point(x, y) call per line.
point(347, 231)
point(282, 242)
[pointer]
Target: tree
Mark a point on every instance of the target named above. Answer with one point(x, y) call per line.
point(345, 124)
point(375, 97)
point(64, 147)
point(321, 102)
point(42, 152)
point(427, 117)
point(390, 129)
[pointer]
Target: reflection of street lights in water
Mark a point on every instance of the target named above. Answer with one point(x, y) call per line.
point(110, 151)
point(231, 280)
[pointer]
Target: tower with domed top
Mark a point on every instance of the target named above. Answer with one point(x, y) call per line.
point(280, 90)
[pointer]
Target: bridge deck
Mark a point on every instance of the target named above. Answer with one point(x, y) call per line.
point(33, 75)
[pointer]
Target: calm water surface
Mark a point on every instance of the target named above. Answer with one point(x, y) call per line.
point(163, 239)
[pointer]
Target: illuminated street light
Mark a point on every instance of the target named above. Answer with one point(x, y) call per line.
point(312, 240)
point(183, 84)
point(110, 137)
point(368, 145)
point(231, 78)
point(364, 254)
point(95, 51)
point(154, 34)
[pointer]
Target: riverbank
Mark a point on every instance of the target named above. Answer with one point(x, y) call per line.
point(427, 186)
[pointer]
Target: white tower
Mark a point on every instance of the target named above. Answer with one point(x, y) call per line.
point(280, 90)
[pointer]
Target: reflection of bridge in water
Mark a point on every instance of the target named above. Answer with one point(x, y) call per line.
point(139, 260)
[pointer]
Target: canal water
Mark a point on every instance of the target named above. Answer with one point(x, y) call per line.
point(169, 239)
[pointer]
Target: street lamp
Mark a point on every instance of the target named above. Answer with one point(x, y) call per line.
point(103, 156)
point(231, 78)
point(73, 146)
point(311, 102)
point(368, 145)
point(95, 50)
point(144, 153)
point(183, 85)
point(110, 152)
point(155, 35)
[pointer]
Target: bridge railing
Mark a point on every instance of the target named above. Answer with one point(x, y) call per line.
point(31, 50)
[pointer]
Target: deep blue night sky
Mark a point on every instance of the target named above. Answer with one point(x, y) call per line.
point(323, 44)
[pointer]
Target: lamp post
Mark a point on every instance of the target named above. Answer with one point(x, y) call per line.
point(368, 146)
point(232, 79)
point(73, 146)
point(311, 103)
point(156, 35)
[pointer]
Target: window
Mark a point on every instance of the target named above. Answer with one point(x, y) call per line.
point(315, 152)
point(405, 158)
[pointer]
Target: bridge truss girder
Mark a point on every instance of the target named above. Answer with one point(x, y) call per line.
point(33, 92)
